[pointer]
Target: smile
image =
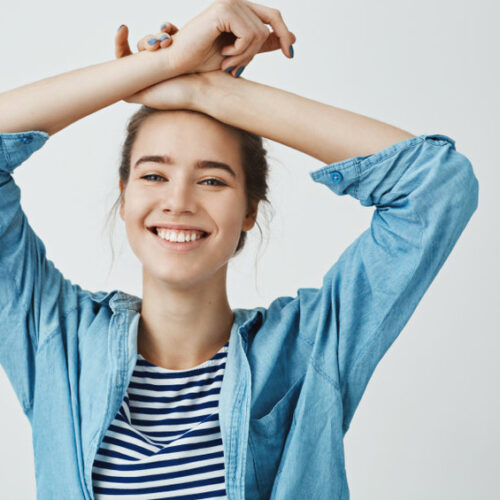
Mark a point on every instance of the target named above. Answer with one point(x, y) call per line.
point(179, 246)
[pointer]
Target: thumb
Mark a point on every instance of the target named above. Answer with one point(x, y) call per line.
point(122, 47)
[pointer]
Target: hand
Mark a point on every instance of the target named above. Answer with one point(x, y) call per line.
point(175, 93)
point(234, 28)
point(227, 33)
point(163, 39)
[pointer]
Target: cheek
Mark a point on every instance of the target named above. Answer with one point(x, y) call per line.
point(230, 222)
point(229, 213)
point(136, 206)
point(135, 219)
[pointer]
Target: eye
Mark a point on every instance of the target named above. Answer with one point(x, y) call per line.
point(219, 183)
point(151, 175)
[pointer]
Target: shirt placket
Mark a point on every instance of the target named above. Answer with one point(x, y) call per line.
point(118, 379)
point(234, 412)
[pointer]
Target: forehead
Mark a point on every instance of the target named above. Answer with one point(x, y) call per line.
point(187, 137)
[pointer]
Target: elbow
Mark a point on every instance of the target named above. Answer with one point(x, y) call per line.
point(468, 185)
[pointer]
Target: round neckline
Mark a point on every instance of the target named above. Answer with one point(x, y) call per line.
point(205, 363)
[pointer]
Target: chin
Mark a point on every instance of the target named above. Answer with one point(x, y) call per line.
point(176, 277)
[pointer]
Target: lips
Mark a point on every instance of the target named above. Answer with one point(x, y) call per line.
point(154, 229)
point(178, 246)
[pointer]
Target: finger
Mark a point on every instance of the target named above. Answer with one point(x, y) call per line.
point(262, 34)
point(238, 70)
point(273, 17)
point(250, 34)
point(154, 42)
point(169, 28)
point(122, 47)
point(148, 42)
point(132, 99)
point(272, 43)
point(165, 40)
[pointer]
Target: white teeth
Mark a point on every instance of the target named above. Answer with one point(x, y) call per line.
point(178, 236)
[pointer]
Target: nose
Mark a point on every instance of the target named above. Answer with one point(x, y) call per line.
point(178, 198)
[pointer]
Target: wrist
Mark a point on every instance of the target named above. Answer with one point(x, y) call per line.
point(161, 64)
point(214, 90)
point(201, 95)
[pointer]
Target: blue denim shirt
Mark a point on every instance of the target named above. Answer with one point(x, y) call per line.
point(295, 371)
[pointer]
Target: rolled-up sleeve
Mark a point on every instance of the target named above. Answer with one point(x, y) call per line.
point(425, 192)
point(34, 294)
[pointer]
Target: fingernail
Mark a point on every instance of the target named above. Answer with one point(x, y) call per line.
point(240, 70)
point(227, 70)
point(164, 36)
point(152, 41)
point(120, 27)
point(291, 51)
point(163, 26)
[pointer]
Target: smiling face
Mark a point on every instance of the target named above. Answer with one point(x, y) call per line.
point(179, 192)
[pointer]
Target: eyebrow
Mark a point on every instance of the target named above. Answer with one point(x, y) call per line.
point(165, 159)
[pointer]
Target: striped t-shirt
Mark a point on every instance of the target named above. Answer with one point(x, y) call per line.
point(165, 440)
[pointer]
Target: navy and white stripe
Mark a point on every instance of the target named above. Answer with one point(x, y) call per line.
point(165, 440)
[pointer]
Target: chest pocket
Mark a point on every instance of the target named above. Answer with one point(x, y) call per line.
point(267, 436)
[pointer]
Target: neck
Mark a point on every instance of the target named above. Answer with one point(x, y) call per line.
point(182, 328)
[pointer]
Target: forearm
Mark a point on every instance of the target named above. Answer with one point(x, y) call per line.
point(55, 102)
point(325, 132)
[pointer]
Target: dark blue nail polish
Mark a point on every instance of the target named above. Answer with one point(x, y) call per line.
point(291, 51)
point(227, 70)
point(164, 36)
point(152, 41)
point(163, 26)
point(240, 70)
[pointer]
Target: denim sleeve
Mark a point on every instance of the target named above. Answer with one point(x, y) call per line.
point(34, 295)
point(424, 193)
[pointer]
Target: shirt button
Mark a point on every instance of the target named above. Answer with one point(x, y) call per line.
point(336, 176)
point(26, 139)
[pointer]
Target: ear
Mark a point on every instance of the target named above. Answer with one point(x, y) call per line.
point(122, 207)
point(250, 218)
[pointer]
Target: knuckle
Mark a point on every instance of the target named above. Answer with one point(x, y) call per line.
point(226, 4)
point(221, 4)
point(276, 14)
point(253, 36)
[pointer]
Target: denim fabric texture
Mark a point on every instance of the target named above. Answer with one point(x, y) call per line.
point(296, 370)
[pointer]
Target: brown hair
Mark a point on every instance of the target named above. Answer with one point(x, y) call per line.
point(254, 163)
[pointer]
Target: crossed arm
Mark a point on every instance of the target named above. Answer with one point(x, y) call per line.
point(323, 131)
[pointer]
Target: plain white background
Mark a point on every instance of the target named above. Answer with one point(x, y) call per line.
point(428, 424)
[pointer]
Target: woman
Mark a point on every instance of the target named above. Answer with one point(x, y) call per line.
point(175, 394)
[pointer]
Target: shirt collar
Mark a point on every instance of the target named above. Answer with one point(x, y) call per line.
point(248, 320)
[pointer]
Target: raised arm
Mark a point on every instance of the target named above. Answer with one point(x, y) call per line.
point(424, 192)
point(320, 130)
point(51, 104)
point(200, 46)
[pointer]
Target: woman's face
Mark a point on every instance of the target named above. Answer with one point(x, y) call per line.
point(178, 192)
